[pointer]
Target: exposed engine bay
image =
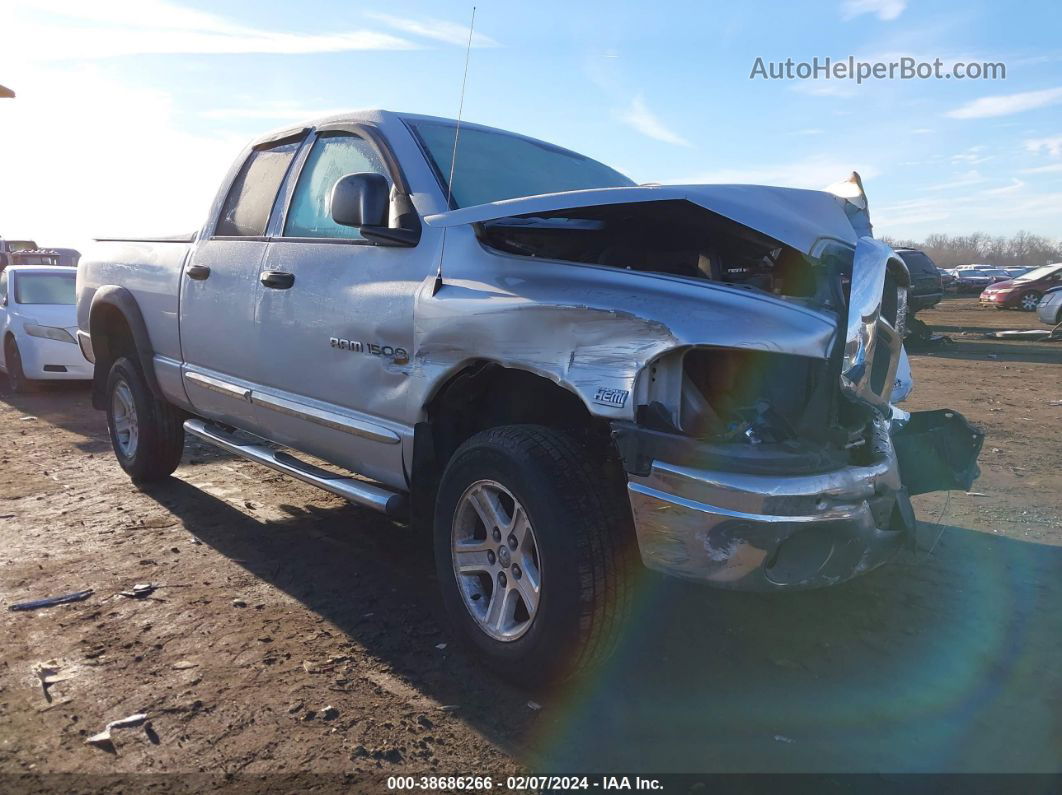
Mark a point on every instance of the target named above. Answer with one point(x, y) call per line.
point(723, 395)
point(670, 237)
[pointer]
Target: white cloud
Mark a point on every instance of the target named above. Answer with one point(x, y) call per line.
point(1051, 168)
point(1052, 145)
point(825, 88)
point(278, 113)
point(816, 171)
point(63, 29)
point(638, 116)
point(438, 29)
point(961, 181)
point(1015, 186)
point(1006, 104)
point(885, 10)
point(972, 156)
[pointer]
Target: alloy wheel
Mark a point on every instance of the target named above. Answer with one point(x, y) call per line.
point(123, 413)
point(496, 560)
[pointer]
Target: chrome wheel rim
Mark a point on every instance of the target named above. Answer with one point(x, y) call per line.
point(123, 412)
point(496, 560)
point(1029, 302)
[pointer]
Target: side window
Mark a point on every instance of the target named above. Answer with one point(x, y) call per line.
point(250, 200)
point(332, 157)
point(3, 288)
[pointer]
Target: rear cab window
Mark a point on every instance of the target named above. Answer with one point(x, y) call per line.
point(918, 263)
point(249, 202)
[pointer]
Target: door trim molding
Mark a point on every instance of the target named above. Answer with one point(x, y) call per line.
point(217, 385)
point(328, 419)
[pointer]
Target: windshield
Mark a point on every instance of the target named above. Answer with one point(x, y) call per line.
point(493, 165)
point(45, 288)
point(1039, 273)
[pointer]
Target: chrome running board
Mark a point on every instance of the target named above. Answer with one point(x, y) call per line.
point(357, 491)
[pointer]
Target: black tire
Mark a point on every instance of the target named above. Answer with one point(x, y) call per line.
point(159, 441)
point(1033, 297)
point(581, 525)
point(16, 376)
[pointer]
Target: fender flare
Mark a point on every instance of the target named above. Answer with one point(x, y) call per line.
point(123, 301)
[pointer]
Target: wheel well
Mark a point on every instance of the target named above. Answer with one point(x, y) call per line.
point(112, 338)
point(487, 395)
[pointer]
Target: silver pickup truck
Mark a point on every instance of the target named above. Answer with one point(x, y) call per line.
point(556, 370)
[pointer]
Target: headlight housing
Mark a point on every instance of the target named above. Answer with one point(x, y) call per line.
point(48, 332)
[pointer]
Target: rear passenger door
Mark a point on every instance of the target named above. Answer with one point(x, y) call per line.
point(335, 336)
point(219, 288)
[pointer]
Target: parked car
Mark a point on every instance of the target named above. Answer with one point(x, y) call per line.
point(1024, 292)
point(1049, 309)
point(1014, 273)
point(975, 279)
point(38, 323)
point(927, 287)
point(588, 371)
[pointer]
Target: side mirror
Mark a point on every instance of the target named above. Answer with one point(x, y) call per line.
point(360, 200)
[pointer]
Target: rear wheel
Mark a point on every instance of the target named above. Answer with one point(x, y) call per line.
point(1029, 301)
point(533, 552)
point(16, 376)
point(146, 433)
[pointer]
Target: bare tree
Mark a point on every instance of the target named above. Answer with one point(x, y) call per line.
point(1022, 248)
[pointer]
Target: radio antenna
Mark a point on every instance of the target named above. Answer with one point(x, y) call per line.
point(453, 156)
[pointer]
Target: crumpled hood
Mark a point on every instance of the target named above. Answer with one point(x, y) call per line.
point(795, 217)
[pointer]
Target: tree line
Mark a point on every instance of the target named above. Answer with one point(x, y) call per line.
point(1022, 248)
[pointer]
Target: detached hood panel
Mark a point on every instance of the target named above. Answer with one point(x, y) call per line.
point(797, 218)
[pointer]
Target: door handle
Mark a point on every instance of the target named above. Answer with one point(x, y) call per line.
point(198, 272)
point(277, 280)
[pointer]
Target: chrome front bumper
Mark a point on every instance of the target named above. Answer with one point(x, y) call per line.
point(769, 532)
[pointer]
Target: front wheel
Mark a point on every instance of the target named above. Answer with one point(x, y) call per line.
point(533, 552)
point(146, 432)
point(1029, 301)
point(16, 376)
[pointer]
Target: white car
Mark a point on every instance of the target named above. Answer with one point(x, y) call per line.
point(38, 324)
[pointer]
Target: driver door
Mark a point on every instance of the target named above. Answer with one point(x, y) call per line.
point(335, 323)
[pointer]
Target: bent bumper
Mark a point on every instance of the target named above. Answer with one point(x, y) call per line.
point(765, 532)
point(756, 530)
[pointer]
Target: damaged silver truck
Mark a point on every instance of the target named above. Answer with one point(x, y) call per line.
point(557, 371)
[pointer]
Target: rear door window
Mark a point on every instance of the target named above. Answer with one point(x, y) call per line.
point(250, 200)
point(918, 263)
point(333, 156)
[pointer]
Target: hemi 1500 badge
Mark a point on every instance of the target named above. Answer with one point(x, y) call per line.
point(611, 397)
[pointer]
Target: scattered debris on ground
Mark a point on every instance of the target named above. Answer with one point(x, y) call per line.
point(105, 741)
point(52, 601)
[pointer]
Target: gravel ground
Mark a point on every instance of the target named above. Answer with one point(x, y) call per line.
point(293, 633)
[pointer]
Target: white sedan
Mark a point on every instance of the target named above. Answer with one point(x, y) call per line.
point(38, 323)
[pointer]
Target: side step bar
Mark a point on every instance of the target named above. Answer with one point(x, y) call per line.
point(357, 491)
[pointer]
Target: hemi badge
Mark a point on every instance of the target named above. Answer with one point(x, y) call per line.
point(611, 397)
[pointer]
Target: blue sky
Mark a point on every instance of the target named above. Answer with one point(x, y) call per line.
point(128, 112)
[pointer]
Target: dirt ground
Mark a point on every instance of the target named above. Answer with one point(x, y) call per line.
point(277, 602)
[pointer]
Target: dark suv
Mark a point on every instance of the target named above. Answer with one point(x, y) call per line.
point(926, 286)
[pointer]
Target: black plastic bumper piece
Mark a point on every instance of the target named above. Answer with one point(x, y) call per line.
point(937, 451)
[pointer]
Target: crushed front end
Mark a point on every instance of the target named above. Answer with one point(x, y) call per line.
point(763, 470)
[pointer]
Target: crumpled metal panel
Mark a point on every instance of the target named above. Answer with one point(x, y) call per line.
point(797, 218)
point(591, 328)
point(868, 334)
